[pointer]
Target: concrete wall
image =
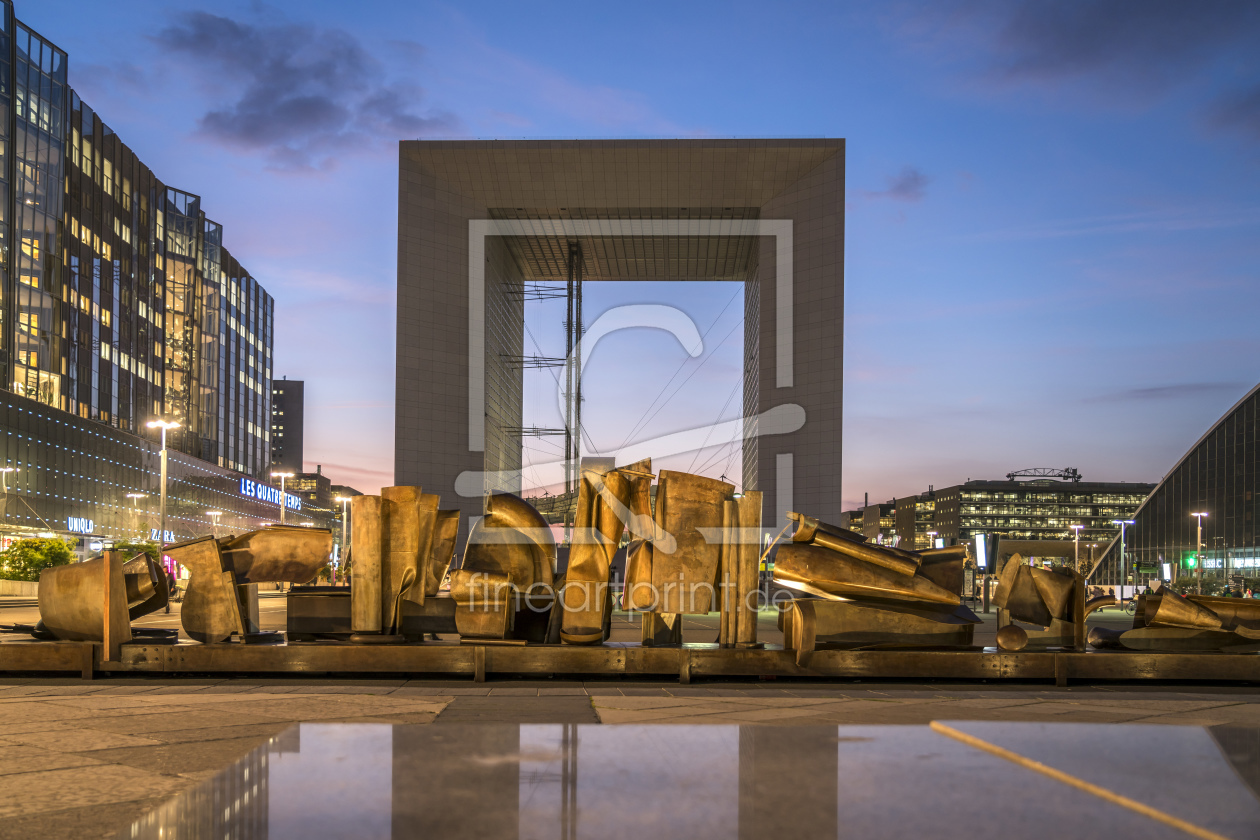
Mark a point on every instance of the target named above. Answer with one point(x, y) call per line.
point(20, 588)
point(443, 185)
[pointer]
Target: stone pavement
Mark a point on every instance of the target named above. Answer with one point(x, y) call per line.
point(84, 759)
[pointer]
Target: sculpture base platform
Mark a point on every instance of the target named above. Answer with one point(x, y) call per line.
point(479, 661)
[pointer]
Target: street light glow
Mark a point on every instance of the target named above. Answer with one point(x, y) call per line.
point(162, 424)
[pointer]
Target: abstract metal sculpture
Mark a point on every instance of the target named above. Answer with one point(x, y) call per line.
point(1053, 600)
point(402, 547)
point(96, 600)
point(510, 553)
point(1168, 621)
point(222, 595)
point(868, 595)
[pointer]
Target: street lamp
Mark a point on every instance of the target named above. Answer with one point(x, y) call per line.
point(1122, 523)
point(1199, 555)
point(4, 478)
point(1076, 543)
point(282, 476)
point(345, 524)
point(163, 425)
point(214, 520)
point(931, 539)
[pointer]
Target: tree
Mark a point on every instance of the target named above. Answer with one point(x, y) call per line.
point(130, 548)
point(25, 559)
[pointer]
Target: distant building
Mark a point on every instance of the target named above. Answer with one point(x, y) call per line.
point(1219, 476)
point(343, 491)
point(314, 489)
point(119, 305)
point(879, 523)
point(1039, 509)
point(286, 425)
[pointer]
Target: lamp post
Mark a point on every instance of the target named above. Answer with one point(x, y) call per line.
point(1198, 556)
point(4, 478)
point(1122, 523)
point(345, 524)
point(214, 521)
point(1076, 544)
point(163, 425)
point(282, 476)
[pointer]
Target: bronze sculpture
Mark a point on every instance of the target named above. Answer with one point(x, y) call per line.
point(96, 600)
point(860, 595)
point(222, 595)
point(1168, 621)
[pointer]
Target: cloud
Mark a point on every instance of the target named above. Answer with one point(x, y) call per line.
point(1238, 113)
point(1143, 42)
point(1109, 53)
point(907, 185)
point(1184, 391)
point(299, 96)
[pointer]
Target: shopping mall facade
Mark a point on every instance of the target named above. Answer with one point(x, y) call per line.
point(119, 305)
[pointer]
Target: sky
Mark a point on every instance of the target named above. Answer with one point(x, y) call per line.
point(1052, 213)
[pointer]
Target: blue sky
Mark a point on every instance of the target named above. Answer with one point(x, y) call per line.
point(1053, 224)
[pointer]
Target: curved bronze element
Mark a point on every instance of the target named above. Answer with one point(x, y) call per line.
point(1172, 610)
point(445, 533)
point(832, 573)
point(896, 560)
point(210, 612)
point(1055, 591)
point(638, 593)
point(1238, 615)
point(279, 553)
point(1104, 638)
point(85, 602)
point(1098, 602)
point(212, 609)
point(147, 588)
point(945, 567)
point(808, 527)
point(603, 500)
point(684, 561)
point(512, 539)
point(1012, 637)
point(1017, 593)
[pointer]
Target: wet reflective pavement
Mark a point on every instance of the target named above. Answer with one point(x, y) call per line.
point(966, 778)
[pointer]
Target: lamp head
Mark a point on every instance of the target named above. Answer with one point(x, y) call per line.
point(282, 475)
point(162, 424)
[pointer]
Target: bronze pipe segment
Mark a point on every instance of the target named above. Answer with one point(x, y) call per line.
point(808, 526)
point(948, 551)
point(878, 555)
point(849, 575)
point(1100, 601)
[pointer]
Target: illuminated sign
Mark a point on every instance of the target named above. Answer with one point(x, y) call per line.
point(982, 551)
point(153, 535)
point(266, 493)
point(80, 525)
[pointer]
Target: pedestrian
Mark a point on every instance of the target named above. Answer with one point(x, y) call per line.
point(171, 589)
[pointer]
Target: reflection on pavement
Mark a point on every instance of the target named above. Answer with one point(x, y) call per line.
point(375, 781)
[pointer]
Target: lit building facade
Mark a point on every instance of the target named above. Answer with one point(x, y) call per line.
point(119, 304)
point(1219, 476)
point(288, 398)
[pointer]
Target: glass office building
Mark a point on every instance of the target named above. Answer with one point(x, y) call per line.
point(1218, 476)
point(119, 303)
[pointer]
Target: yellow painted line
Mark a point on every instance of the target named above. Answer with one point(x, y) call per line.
point(1079, 784)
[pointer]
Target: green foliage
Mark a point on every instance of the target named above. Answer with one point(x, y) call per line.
point(325, 574)
point(130, 548)
point(25, 559)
